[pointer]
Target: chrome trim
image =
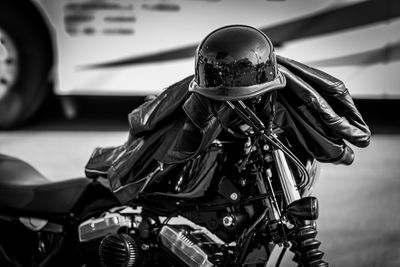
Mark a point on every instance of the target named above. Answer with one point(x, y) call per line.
point(99, 227)
point(288, 182)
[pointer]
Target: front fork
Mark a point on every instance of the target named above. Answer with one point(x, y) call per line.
point(286, 177)
point(295, 217)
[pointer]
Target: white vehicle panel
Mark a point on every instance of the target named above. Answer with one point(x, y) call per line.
point(90, 34)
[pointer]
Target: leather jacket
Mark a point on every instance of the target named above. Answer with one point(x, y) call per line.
point(313, 108)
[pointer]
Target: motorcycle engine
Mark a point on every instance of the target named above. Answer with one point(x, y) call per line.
point(202, 235)
point(132, 240)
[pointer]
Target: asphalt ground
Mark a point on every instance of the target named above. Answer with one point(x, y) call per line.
point(359, 222)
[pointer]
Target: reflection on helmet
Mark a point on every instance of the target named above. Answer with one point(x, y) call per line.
point(236, 62)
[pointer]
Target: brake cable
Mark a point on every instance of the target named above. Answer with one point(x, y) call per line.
point(252, 119)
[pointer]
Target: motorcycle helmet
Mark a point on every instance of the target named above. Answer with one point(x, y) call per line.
point(236, 62)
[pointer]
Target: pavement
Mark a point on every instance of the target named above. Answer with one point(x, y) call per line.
point(359, 222)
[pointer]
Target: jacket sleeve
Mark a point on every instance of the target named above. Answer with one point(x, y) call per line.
point(302, 126)
point(331, 98)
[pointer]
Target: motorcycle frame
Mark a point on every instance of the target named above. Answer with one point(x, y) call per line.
point(279, 152)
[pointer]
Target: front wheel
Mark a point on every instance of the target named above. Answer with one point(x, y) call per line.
point(25, 62)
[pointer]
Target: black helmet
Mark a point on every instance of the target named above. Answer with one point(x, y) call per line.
point(236, 62)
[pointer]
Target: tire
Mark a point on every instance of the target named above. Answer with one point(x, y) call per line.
point(25, 68)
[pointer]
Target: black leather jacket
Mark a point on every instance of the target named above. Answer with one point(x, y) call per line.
point(314, 108)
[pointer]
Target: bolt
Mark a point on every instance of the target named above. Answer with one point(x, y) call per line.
point(228, 221)
point(234, 196)
point(145, 246)
point(268, 158)
point(290, 226)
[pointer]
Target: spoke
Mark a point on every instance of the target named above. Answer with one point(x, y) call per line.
point(8, 63)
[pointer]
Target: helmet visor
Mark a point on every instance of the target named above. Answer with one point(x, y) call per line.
point(238, 92)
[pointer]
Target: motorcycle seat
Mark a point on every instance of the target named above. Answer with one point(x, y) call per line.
point(23, 188)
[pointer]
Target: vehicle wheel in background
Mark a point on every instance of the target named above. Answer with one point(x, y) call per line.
point(26, 57)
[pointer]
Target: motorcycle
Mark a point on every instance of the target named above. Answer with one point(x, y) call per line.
point(257, 197)
point(240, 201)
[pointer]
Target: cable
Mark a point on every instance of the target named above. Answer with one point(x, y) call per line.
point(280, 258)
point(251, 118)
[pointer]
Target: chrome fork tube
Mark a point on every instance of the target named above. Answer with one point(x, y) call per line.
point(288, 182)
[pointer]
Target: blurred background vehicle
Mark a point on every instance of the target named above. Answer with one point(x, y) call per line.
point(71, 48)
